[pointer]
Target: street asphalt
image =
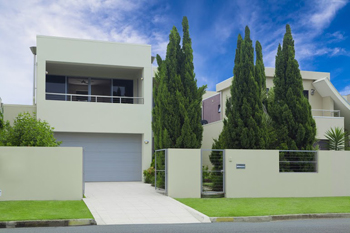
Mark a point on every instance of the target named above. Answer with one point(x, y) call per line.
point(292, 226)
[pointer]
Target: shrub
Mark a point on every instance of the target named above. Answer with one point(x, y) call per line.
point(1, 120)
point(206, 174)
point(149, 176)
point(336, 138)
point(28, 131)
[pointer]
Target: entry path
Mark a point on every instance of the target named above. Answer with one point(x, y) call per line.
point(133, 203)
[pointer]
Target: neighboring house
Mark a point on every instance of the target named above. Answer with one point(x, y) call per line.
point(97, 95)
point(329, 108)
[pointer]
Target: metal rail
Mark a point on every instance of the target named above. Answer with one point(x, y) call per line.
point(89, 98)
point(330, 113)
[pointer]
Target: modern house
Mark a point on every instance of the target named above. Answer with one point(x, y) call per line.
point(329, 108)
point(97, 95)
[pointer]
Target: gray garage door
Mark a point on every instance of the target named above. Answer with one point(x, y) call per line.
point(107, 157)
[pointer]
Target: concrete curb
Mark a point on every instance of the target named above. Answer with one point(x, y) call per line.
point(278, 217)
point(198, 215)
point(47, 223)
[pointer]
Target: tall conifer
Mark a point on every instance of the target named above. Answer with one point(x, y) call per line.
point(177, 99)
point(244, 127)
point(291, 111)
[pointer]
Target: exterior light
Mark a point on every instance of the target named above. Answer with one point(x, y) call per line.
point(146, 141)
point(312, 91)
point(33, 49)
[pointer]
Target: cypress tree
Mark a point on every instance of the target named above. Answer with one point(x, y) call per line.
point(191, 96)
point(166, 119)
point(291, 111)
point(244, 127)
point(270, 137)
point(177, 99)
point(259, 67)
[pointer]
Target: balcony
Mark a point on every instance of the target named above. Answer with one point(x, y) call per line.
point(325, 120)
point(95, 98)
point(325, 113)
point(92, 83)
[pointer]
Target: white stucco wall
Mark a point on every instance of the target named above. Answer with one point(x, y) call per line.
point(41, 173)
point(324, 124)
point(262, 178)
point(184, 173)
point(11, 111)
point(90, 117)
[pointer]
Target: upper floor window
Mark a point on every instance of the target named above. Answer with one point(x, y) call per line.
point(90, 89)
point(55, 84)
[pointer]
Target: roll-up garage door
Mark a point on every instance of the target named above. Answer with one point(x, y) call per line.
point(107, 157)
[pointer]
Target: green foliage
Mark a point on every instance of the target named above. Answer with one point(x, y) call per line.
point(216, 159)
point(28, 131)
point(272, 142)
point(336, 138)
point(244, 127)
point(206, 174)
point(149, 175)
point(160, 165)
point(177, 99)
point(2, 124)
point(347, 140)
point(290, 111)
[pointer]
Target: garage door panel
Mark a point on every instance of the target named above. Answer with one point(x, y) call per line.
point(107, 157)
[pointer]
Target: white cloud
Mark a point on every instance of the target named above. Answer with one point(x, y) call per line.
point(337, 36)
point(21, 21)
point(345, 91)
point(325, 11)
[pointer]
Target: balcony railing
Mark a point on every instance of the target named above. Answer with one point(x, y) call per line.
point(325, 113)
point(95, 98)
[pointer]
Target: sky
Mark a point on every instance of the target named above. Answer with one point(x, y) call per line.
point(320, 29)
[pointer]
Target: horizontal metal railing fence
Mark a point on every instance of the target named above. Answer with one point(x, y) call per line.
point(161, 170)
point(326, 113)
point(95, 98)
point(298, 161)
point(213, 176)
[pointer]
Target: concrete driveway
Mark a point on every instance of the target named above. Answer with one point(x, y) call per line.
point(135, 203)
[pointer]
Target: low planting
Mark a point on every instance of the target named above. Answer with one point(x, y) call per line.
point(43, 210)
point(235, 207)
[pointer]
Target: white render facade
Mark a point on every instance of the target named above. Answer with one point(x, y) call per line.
point(97, 95)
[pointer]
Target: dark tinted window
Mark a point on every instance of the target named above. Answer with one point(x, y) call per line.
point(55, 84)
point(306, 94)
point(123, 88)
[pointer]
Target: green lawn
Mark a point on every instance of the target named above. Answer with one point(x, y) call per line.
point(234, 207)
point(43, 210)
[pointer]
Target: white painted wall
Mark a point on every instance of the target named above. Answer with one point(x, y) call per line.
point(184, 174)
point(11, 111)
point(326, 123)
point(41, 173)
point(262, 178)
point(86, 117)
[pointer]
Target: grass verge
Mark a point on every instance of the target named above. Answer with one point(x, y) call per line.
point(235, 207)
point(43, 210)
